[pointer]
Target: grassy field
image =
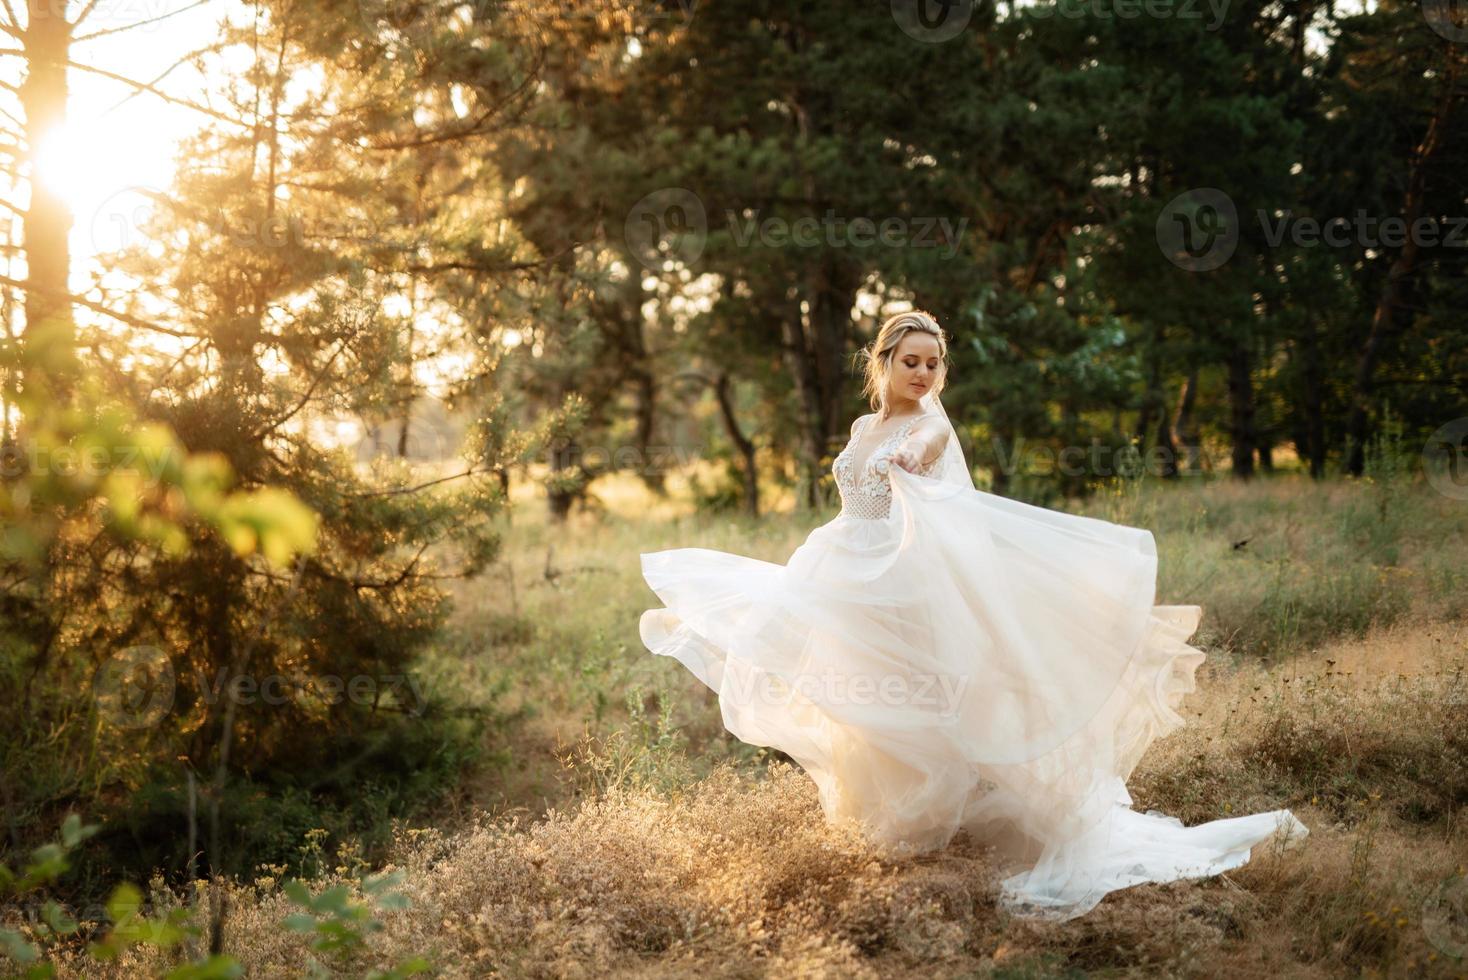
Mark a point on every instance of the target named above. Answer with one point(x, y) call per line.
point(619, 830)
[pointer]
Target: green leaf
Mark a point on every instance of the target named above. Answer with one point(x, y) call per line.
point(299, 922)
point(375, 884)
point(15, 946)
point(297, 892)
point(73, 831)
point(216, 967)
point(124, 903)
point(58, 920)
point(396, 900)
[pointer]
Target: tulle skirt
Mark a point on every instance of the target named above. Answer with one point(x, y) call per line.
point(968, 661)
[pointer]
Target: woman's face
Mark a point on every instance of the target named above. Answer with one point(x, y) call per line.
point(916, 365)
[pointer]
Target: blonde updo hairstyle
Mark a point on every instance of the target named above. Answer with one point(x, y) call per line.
point(878, 355)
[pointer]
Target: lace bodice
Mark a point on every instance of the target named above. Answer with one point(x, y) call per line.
point(868, 494)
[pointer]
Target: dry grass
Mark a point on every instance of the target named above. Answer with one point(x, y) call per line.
point(633, 837)
point(738, 875)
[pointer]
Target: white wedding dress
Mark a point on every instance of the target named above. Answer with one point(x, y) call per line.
point(937, 657)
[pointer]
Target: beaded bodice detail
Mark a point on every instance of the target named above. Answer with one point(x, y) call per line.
point(868, 494)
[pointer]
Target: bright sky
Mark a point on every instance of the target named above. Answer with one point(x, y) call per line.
point(119, 142)
point(116, 141)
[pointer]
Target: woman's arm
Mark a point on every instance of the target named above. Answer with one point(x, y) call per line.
point(923, 445)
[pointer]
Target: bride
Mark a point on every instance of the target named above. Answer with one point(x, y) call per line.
point(939, 658)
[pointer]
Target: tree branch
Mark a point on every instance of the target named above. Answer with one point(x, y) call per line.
point(96, 307)
point(141, 23)
point(154, 90)
point(260, 433)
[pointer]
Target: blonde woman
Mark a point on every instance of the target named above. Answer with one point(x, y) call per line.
point(939, 658)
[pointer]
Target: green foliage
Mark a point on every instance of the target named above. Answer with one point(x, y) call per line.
point(148, 487)
point(130, 927)
point(723, 494)
point(647, 753)
point(338, 925)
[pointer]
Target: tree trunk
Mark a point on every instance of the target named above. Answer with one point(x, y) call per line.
point(1151, 406)
point(832, 295)
point(561, 494)
point(800, 361)
point(741, 442)
point(1004, 454)
point(645, 386)
point(1390, 304)
point(409, 382)
point(814, 345)
point(47, 221)
point(1183, 424)
point(1168, 446)
point(1241, 407)
point(1313, 396)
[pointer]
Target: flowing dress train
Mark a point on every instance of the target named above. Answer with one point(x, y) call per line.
point(937, 657)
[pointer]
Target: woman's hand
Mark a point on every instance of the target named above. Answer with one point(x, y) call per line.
point(909, 455)
point(922, 447)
